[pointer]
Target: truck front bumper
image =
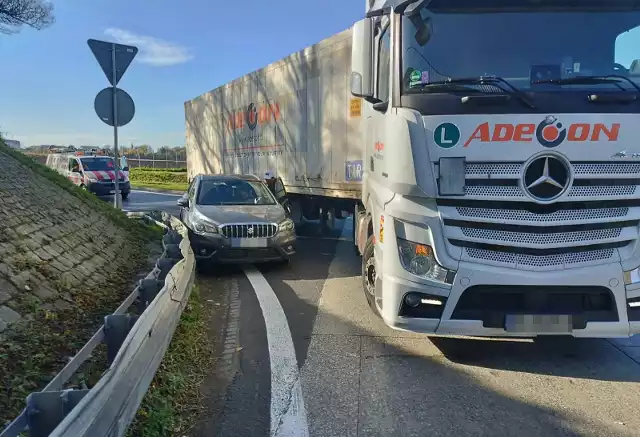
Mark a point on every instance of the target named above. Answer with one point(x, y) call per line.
point(101, 189)
point(483, 298)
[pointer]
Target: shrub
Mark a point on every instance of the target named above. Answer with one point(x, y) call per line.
point(143, 175)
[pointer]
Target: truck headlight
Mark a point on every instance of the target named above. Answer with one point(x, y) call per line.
point(203, 228)
point(632, 276)
point(418, 260)
point(286, 225)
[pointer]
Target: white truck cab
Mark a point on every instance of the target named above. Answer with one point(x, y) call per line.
point(501, 185)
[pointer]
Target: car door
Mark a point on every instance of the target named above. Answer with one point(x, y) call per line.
point(73, 171)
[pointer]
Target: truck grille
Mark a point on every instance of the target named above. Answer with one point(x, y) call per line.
point(249, 230)
point(496, 223)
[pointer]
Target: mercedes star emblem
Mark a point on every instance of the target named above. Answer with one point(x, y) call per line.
point(546, 178)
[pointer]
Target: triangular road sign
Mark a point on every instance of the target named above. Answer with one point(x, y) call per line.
point(102, 50)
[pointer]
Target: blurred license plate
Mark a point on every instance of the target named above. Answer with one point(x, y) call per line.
point(248, 242)
point(546, 323)
point(112, 192)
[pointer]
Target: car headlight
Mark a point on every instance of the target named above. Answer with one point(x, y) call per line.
point(286, 225)
point(202, 228)
point(418, 260)
point(92, 178)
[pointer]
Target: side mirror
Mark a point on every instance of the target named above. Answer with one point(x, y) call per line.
point(362, 59)
point(183, 202)
point(287, 209)
point(424, 29)
point(423, 25)
point(279, 190)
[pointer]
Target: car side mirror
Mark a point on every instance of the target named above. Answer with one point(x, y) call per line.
point(183, 202)
point(287, 209)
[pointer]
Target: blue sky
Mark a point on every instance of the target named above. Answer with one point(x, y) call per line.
point(50, 77)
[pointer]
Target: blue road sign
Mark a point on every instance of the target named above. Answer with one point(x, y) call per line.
point(103, 51)
point(103, 104)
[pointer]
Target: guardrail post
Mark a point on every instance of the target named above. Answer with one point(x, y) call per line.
point(164, 265)
point(147, 291)
point(45, 410)
point(172, 237)
point(173, 251)
point(116, 328)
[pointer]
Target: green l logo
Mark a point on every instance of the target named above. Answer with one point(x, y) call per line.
point(446, 135)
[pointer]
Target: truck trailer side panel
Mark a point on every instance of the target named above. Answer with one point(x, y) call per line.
point(294, 118)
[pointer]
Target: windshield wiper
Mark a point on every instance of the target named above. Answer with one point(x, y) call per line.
point(591, 80)
point(453, 83)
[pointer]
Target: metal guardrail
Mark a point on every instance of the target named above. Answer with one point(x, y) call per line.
point(135, 347)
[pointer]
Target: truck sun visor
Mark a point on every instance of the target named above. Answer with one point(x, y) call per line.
point(451, 177)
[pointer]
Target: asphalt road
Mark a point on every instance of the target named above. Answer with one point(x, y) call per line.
point(360, 378)
point(141, 201)
point(353, 376)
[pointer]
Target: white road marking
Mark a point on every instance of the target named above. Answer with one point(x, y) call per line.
point(288, 414)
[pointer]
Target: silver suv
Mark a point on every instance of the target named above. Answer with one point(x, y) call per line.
point(236, 219)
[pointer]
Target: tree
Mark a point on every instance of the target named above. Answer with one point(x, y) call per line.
point(144, 149)
point(37, 14)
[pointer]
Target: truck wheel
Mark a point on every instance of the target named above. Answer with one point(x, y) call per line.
point(369, 274)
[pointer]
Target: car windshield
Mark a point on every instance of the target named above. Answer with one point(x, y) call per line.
point(534, 50)
point(234, 192)
point(98, 164)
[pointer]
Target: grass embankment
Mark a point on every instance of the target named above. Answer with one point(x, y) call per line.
point(38, 347)
point(172, 179)
point(139, 230)
point(172, 403)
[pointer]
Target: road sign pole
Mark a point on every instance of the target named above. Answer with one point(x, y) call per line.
point(114, 59)
point(117, 197)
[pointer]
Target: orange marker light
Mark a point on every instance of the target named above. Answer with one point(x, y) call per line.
point(421, 249)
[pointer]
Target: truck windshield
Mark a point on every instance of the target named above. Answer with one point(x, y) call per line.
point(216, 192)
point(98, 164)
point(534, 50)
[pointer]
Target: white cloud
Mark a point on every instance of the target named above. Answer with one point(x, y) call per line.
point(153, 51)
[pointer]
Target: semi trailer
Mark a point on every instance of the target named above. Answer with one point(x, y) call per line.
point(486, 148)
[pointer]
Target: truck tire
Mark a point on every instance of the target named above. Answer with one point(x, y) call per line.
point(369, 274)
